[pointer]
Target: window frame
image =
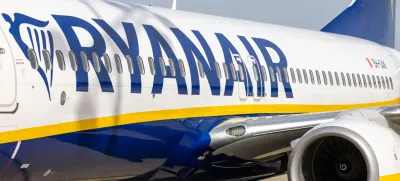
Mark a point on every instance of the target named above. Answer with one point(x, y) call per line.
point(118, 64)
point(85, 61)
point(96, 62)
point(344, 83)
point(293, 74)
point(129, 63)
point(33, 59)
point(60, 60)
point(312, 76)
point(172, 67)
point(73, 60)
point(107, 63)
point(218, 70)
point(140, 62)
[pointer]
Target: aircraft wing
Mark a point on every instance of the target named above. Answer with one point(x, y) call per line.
point(259, 139)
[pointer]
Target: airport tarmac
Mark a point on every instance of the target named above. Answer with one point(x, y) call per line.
point(278, 178)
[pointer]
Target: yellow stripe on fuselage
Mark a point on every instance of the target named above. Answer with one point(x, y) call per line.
point(131, 118)
point(395, 177)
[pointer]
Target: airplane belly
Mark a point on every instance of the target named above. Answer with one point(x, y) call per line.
point(137, 150)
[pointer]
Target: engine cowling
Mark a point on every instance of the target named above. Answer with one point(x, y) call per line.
point(347, 149)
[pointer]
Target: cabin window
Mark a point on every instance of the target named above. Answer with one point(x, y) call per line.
point(241, 72)
point(233, 71)
point(354, 80)
point(279, 75)
point(60, 60)
point(264, 73)
point(129, 63)
point(47, 59)
point(391, 82)
point(218, 70)
point(312, 76)
point(387, 83)
point(325, 78)
point(299, 76)
point(364, 80)
point(255, 72)
point(359, 80)
point(373, 79)
point(201, 69)
point(118, 63)
point(305, 76)
point(96, 62)
point(330, 77)
point(72, 59)
point(33, 59)
point(85, 62)
point(163, 67)
point(272, 74)
point(379, 82)
point(383, 82)
point(293, 75)
point(348, 79)
point(286, 74)
point(182, 68)
point(369, 81)
point(172, 67)
point(141, 65)
point(107, 62)
point(337, 79)
point(318, 77)
point(151, 65)
point(343, 79)
point(226, 71)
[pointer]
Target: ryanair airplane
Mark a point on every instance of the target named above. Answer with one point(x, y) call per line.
point(110, 90)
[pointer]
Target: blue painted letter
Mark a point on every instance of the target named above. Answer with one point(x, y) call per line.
point(158, 42)
point(67, 24)
point(209, 66)
point(131, 48)
point(263, 45)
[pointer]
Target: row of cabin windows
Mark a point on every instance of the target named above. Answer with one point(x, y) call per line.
point(325, 78)
point(338, 79)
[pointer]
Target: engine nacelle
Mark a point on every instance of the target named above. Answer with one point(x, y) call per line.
point(347, 149)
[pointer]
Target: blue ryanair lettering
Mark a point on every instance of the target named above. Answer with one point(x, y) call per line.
point(263, 45)
point(260, 88)
point(132, 49)
point(191, 51)
point(158, 42)
point(67, 24)
point(229, 50)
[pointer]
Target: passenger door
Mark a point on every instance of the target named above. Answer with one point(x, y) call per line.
point(240, 71)
point(255, 76)
point(8, 82)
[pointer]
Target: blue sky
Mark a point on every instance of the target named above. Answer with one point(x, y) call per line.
point(309, 14)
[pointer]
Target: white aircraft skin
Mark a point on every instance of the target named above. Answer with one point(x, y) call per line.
point(99, 130)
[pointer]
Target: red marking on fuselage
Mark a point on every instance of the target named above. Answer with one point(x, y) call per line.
point(370, 64)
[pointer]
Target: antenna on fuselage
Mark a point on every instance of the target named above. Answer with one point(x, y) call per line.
point(174, 5)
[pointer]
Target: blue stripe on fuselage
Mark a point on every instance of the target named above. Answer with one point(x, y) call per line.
point(133, 149)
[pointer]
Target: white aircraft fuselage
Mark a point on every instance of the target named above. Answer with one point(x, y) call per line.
point(124, 90)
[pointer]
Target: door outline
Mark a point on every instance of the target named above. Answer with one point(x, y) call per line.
point(251, 60)
point(242, 88)
point(6, 53)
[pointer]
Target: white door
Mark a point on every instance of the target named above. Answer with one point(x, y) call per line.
point(8, 85)
point(240, 82)
point(255, 76)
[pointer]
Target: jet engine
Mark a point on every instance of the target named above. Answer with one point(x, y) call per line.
point(350, 148)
